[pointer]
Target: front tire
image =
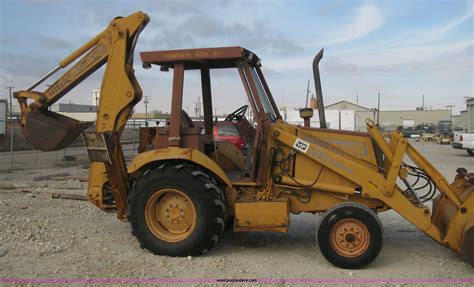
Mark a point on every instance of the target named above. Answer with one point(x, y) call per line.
point(470, 152)
point(350, 235)
point(176, 210)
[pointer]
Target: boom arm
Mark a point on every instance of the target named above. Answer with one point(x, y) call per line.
point(37, 121)
point(120, 91)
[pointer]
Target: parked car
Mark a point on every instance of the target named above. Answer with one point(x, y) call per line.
point(464, 141)
point(411, 132)
point(228, 131)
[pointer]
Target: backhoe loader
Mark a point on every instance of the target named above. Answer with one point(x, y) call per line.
point(184, 187)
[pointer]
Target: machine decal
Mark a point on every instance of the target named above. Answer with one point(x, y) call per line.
point(301, 145)
point(79, 69)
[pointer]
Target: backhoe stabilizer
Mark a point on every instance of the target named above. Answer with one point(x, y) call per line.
point(456, 224)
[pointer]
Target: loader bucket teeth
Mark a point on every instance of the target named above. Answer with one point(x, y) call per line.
point(48, 131)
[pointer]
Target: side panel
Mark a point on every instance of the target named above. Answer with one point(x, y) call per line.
point(262, 215)
point(328, 186)
point(356, 145)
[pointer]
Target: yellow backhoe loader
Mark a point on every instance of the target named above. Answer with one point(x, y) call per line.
point(184, 186)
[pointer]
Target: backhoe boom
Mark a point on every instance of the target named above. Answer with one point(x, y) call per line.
point(120, 91)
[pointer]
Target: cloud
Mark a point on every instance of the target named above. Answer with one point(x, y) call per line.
point(401, 55)
point(369, 17)
point(415, 48)
point(440, 31)
point(52, 42)
point(199, 30)
point(19, 66)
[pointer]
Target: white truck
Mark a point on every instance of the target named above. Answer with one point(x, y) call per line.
point(464, 141)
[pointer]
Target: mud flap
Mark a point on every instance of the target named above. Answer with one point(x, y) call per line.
point(48, 131)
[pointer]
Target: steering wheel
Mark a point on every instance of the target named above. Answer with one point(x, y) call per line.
point(237, 115)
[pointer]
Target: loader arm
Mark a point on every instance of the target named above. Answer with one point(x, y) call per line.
point(449, 222)
point(120, 91)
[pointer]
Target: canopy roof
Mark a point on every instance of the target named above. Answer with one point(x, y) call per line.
point(213, 58)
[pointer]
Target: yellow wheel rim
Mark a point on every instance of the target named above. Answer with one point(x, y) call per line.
point(170, 215)
point(350, 238)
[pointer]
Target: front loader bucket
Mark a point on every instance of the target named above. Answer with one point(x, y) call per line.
point(456, 224)
point(47, 131)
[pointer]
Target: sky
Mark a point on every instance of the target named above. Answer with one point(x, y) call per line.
point(400, 49)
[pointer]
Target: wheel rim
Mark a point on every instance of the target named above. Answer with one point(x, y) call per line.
point(170, 215)
point(350, 237)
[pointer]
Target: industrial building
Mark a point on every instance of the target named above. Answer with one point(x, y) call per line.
point(465, 120)
point(390, 120)
point(83, 113)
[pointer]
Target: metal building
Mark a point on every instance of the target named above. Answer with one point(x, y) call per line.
point(465, 119)
point(390, 120)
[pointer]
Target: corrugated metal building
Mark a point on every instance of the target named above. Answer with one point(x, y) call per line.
point(83, 113)
point(465, 120)
point(73, 108)
point(391, 119)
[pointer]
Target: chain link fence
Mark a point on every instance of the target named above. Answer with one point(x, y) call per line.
point(24, 157)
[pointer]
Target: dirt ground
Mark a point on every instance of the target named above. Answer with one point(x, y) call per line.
point(42, 237)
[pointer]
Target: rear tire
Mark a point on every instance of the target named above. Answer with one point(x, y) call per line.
point(470, 152)
point(350, 235)
point(176, 210)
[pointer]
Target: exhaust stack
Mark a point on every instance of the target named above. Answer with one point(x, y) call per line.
point(319, 91)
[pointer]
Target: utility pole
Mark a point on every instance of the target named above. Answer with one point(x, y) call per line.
point(378, 111)
point(423, 102)
point(357, 99)
point(95, 97)
point(197, 108)
point(307, 94)
point(146, 110)
point(10, 88)
point(215, 112)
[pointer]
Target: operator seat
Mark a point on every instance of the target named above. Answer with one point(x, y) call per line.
point(186, 121)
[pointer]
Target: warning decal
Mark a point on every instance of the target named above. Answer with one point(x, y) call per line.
point(301, 145)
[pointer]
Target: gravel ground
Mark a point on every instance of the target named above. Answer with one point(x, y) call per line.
point(57, 238)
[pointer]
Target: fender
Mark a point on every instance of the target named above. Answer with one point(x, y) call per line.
point(147, 159)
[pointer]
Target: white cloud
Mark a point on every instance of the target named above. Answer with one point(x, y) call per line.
point(400, 55)
point(413, 48)
point(440, 31)
point(369, 17)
